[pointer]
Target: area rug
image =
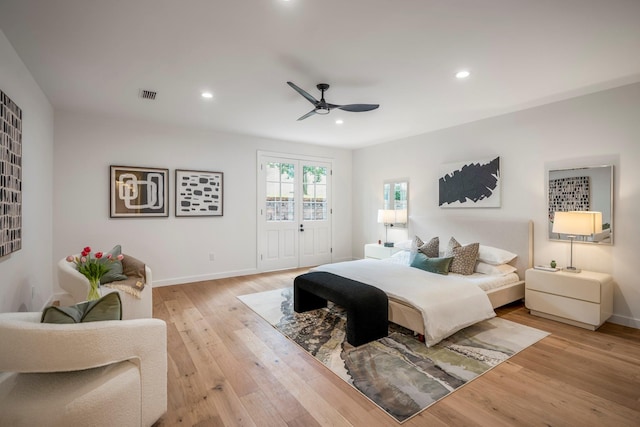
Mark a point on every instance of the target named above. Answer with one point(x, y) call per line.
point(398, 373)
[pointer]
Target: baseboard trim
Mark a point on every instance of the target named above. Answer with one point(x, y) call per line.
point(625, 321)
point(203, 277)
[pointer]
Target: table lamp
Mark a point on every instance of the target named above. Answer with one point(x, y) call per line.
point(576, 223)
point(388, 218)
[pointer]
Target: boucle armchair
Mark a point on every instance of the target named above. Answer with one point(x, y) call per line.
point(133, 307)
point(107, 373)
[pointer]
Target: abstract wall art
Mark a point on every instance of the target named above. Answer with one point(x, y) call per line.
point(139, 192)
point(199, 193)
point(569, 194)
point(470, 184)
point(10, 176)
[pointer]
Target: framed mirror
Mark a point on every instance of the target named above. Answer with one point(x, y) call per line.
point(396, 198)
point(586, 189)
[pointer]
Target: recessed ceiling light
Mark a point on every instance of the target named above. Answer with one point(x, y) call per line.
point(339, 121)
point(463, 74)
point(207, 95)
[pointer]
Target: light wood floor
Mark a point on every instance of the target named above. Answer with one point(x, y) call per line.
point(228, 367)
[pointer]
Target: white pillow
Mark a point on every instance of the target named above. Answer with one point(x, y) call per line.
point(494, 270)
point(405, 245)
point(494, 256)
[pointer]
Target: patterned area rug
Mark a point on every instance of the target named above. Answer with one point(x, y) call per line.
point(398, 373)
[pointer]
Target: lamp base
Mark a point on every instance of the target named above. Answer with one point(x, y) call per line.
point(571, 270)
point(388, 244)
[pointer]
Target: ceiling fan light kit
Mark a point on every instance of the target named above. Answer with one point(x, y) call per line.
point(323, 107)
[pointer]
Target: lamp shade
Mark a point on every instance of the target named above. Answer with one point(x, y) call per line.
point(386, 216)
point(401, 216)
point(583, 223)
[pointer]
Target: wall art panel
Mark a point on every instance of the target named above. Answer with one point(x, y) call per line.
point(10, 176)
point(470, 184)
point(199, 193)
point(139, 192)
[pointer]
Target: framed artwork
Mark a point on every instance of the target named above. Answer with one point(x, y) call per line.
point(199, 193)
point(470, 184)
point(139, 192)
point(10, 176)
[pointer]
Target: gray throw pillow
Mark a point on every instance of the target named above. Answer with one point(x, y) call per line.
point(115, 267)
point(432, 265)
point(109, 307)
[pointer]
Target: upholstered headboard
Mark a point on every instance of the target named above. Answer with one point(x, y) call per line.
point(513, 235)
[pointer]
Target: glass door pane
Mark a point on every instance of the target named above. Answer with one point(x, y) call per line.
point(280, 195)
point(314, 193)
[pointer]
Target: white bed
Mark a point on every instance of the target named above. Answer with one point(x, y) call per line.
point(514, 236)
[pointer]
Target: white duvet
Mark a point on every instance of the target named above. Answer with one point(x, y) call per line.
point(447, 303)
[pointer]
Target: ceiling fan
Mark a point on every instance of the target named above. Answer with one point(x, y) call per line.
point(323, 107)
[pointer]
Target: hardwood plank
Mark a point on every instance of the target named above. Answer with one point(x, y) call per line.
point(228, 366)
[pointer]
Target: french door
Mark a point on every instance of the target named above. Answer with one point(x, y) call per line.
point(294, 212)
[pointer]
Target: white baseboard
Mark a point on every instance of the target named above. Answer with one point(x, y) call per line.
point(625, 321)
point(203, 277)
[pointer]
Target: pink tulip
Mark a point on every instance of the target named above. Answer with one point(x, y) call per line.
point(83, 259)
point(98, 255)
point(120, 257)
point(69, 258)
point(109, 256)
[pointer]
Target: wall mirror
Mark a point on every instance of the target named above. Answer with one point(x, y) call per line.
point(396, 198)
point(587, 189)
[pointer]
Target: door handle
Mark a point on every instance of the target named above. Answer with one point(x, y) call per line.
point(302, 227)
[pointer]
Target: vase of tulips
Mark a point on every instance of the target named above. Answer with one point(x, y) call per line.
point(93, 266)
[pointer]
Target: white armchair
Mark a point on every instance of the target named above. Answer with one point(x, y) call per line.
point(110, 373)
point(133, 307)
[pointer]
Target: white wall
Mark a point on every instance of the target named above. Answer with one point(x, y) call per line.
point(602, 128)
point(176, 249)
point(30, 267)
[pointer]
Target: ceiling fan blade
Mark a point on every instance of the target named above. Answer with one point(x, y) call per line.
point(310, 113)
point(302, 92)
point(357, 107)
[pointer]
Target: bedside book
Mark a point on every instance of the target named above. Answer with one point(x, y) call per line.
point(545, 268)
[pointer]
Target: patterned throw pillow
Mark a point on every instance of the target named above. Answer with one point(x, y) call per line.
point(464, 257)
point(431, 248)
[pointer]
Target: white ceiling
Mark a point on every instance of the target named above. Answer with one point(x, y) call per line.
point(95, 55)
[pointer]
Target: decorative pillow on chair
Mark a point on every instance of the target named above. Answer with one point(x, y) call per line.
point(109, 307)
point(133, 267)
point(464, 257)
point(115, 270)
point(432, 265)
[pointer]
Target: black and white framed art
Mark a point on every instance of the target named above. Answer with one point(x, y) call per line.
point(10, 176)
point(474, 184)
point(199, 193)
point(139, 192)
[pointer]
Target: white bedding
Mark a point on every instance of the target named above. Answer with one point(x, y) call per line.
point(483, 281)
point(447, 303)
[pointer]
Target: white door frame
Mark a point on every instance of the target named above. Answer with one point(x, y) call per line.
point(260, 201)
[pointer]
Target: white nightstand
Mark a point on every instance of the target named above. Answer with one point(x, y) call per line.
point(376, 251)
point(582, 299)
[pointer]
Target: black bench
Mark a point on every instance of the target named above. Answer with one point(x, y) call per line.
point(367, 306)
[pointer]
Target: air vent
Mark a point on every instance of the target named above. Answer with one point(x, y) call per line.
point(148, 94)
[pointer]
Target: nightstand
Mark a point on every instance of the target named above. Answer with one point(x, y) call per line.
point(376, 251)
point(582, 299)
